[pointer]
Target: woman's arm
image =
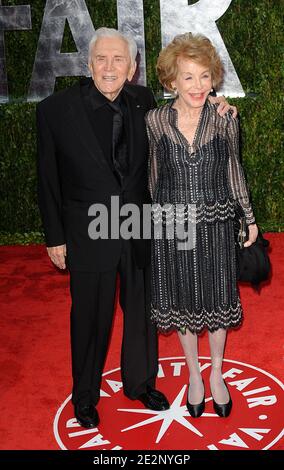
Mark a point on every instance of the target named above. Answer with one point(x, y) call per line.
point(237, 179)
point(153, 167)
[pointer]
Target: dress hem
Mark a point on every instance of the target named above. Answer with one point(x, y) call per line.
point(184, 325)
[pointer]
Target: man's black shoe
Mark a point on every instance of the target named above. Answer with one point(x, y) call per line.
point(154, 400)
point(86, 415)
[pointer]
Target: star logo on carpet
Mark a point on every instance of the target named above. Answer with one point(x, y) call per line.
point(253, 423)
point(177, 412)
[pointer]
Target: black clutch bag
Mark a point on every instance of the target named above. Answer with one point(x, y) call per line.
point(253, 264)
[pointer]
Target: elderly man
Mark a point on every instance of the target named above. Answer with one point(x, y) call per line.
point(92, 145)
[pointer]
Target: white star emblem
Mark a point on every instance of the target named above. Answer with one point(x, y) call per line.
point(177, 412)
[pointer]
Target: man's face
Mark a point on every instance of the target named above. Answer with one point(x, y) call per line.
point(110, 65)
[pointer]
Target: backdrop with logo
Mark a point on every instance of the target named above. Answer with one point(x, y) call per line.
point(248, 34)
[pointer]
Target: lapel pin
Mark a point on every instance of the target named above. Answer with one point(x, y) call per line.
point(138, 106)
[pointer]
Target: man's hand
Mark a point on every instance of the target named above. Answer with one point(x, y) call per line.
point(224, 106)
point(253, 231)
point(57, 255)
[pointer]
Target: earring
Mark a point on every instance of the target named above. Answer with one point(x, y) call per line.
point(175, 91)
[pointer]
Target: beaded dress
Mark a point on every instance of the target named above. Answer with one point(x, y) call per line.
point(194, 285)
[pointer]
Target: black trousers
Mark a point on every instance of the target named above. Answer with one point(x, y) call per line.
point(93, 298)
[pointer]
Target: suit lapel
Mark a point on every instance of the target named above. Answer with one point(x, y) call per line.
point(78, 120)
point(134, 108)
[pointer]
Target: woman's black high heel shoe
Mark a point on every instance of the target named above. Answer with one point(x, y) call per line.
point(196, 410)
point(223, 410)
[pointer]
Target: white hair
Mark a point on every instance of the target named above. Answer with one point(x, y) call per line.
point(114, 33)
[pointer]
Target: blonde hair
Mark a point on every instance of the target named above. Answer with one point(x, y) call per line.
point(197, 48)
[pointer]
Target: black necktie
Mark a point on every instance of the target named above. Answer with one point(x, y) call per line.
point(119, 142)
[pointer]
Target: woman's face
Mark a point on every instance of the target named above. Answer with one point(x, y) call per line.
point(193, 82)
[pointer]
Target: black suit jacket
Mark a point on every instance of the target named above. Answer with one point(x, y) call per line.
point(73, 174)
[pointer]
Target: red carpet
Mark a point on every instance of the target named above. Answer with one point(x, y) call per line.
point(35, 353)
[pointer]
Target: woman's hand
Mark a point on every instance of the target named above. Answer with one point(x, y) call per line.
point(253, 231)
point(224, 106)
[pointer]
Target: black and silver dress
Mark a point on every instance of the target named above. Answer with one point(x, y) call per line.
point(194, 189)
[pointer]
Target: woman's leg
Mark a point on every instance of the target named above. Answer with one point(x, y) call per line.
point(189, 342)
point(217, 342)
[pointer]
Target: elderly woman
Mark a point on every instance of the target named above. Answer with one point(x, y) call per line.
point(195, 179)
